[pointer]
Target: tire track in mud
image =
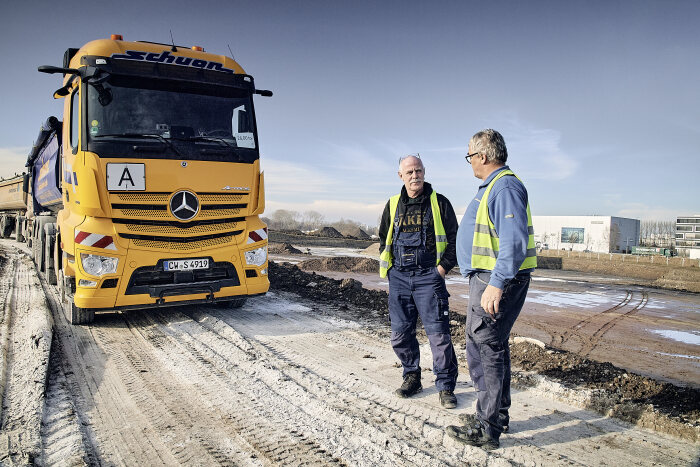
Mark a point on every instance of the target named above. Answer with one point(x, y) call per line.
point(253, 413)
point(61, 434)
point(575, 330)
point(278, 397)
point(26, 344)
point(99, 398)
point(595, 338)
point(164, 400)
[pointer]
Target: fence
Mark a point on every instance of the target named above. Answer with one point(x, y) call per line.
point(623, 258)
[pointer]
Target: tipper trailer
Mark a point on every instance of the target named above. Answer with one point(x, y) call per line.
point(149, 192)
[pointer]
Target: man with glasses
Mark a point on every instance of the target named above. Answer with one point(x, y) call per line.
point(417, 235)
point(496, 250)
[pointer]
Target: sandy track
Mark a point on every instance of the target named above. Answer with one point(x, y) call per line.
point(280, 381)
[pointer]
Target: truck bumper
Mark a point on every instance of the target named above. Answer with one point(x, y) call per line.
point(141, 281)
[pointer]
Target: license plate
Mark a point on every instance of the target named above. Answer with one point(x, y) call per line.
point(185, 264)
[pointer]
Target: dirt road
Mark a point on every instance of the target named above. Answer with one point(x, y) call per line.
point(280, 381)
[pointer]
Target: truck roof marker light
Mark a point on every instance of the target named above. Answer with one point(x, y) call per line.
point(116, 37)
point(197, 48)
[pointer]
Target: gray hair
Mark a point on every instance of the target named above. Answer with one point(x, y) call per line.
point(403, 158)
point(491, 144)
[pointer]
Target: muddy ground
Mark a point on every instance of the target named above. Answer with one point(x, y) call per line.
point(618, 392)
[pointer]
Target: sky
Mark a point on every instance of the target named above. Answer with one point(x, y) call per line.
point(598, 101)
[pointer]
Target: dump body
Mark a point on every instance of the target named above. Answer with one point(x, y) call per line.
point(12, 197)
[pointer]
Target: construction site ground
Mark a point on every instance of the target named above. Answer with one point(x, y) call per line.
point(306, 374)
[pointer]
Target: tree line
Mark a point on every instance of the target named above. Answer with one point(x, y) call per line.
point(284, 219)
point(657, 233)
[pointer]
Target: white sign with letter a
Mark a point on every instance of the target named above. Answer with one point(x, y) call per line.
point(126, 177)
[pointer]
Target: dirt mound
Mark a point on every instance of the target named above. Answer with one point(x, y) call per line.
point(621, 387)
point(341, 263)
point(372, 250)
point(327, 232)
point(290, 278)
point(656, 275)
point(355, 232)
point(281, 248)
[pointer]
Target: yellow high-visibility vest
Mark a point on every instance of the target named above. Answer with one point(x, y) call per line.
point(386, 259)
point(485, 244)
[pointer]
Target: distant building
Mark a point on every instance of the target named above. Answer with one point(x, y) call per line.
point(688, 236)
point(602, 234)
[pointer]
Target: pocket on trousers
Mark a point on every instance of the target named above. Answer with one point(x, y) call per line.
point(443, 308)
point(484, 331)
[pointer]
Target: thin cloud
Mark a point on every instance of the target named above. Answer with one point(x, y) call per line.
point(538, 150)
point(12, 160)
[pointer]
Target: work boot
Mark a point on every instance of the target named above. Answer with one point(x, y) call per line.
point(473, 437)
point(470, 420)
point(448, 399)
point(411, 385)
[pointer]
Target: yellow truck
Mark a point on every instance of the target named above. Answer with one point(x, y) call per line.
point(149, 192)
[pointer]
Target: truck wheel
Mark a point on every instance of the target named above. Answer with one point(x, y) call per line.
point(49, 245)
point(6, 226)
point(233, 303)
point(19, 228)
point(78, 315)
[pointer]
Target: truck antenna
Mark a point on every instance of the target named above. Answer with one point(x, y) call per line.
point(173, 49)
point(229, 49)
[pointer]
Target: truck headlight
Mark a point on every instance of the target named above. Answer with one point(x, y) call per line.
point(256, 257)
point(98, 265)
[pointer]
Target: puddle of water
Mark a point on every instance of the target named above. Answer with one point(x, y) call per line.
point(567, 299)
point(679, 355)
point(680, 336)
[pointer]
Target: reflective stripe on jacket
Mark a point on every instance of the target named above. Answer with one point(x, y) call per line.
point(386, 258)
point(485, 243)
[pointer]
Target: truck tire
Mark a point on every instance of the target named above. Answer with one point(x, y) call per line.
point(233, 303)
point(78, 315)
point(49, 245)
point(6, 226)
point(19, 228)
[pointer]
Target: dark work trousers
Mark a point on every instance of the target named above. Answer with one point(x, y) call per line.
point(414, 292)
point(488, 352)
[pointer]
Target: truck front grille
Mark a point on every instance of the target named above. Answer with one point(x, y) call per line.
point(145, 219)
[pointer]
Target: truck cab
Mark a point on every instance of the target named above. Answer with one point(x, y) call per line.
point(160, 179)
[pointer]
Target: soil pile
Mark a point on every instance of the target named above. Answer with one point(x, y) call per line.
point(656, 275)
point(290, 278)
point(572, 370)
point(355, 232)
point(341, 263)
point(372, 250)
point(328, 232)
point(283, 248)
point(680, 404)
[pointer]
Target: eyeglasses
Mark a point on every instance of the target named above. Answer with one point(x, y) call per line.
point(468, 157)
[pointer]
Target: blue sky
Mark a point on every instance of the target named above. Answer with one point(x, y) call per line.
point(598, 101)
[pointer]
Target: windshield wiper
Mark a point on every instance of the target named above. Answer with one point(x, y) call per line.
point(141, 135)
point(212, 139)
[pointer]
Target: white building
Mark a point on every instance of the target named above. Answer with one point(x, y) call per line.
point(688, 236)
point(603, 234)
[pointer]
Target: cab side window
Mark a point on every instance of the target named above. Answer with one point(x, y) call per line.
point(74, 120)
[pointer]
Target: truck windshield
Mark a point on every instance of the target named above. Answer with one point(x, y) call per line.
point(189, 116)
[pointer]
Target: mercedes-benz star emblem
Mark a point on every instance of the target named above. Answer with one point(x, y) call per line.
point(184, 205)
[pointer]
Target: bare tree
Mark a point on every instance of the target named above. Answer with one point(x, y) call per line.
point(311, 220)
point(285, 220)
